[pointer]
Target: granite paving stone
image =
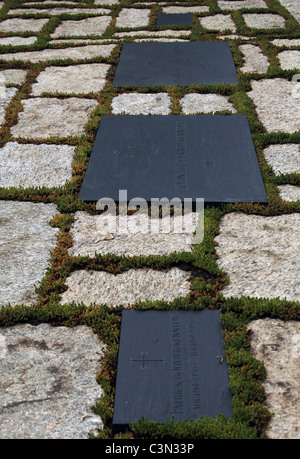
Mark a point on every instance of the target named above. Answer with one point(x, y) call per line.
point(131, 235)
point(218, 22)
point(260, 255)
point(22, 25)
point(293, 7)
point(17, 41)
point(289, 42)
point(276, 104)
point(133, 17)
point(47, 117)
point(77, 79)
point(205, 103)
point(6, 96)
point(150, 33)
point(240, 4)
point(185, 9)
point(28, 165)
point(57, 11)
point(289, 59)
point(264, 20)
point(77, 53)
point(13, 76)
point(289, 192)
point(255, 60)
point(141, 104)
point(88, 26)
point(25, 243)
point(127, 288)
point(277, 344)
point(283, 158)
point(48, 382)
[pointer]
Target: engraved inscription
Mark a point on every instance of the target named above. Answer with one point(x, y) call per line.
point(209, 163)
point(193, 351)
point(180, 165)
point(177, 393)
point(132, 152)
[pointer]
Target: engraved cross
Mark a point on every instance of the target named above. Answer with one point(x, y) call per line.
point(144, 359)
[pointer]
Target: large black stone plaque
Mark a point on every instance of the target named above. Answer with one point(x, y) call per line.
point(174, 19)
point(171, 364)
point(193, 156)
point(176, 63)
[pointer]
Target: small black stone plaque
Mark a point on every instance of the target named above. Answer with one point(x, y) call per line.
point(171, 363)
point(174, 156)
point(185, 19)
point(176, 63)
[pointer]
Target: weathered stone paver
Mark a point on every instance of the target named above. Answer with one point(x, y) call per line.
point(133, 17)
point(293, 7)
point(218, 22)
point(185, 9)
point(289, 192)
point(276, 104)
point(261, 255)
point(17, 41)
point(277, 344)
point(126, 288)
point(57, 11)
point(255, 60)
point(240, 4)
point(49, 117)
point(141, 104)
point(150, 33)
point(77, 53)
point(13, 76)
point(264, 21)
point(27, 165)
point(77, 79)
point(6, 95)
point(88, 26)
point(284, 159)
point(48, 382)
point(26, 240)
point(289, 59)
point(22, 25)
point(289, 42)
point(205, 103)
point(132, 236)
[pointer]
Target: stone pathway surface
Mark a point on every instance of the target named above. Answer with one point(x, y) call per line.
point(58, 258)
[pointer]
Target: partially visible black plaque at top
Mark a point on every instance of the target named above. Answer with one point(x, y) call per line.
point(174, 156)
point(176, 63)
point(174, 19)
point(171, 364)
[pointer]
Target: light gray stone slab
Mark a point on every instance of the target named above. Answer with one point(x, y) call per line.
point(133, 236)
point(26, 239)
point(260, 255)
point(293, 7)
point(141, 104)
point(22, 25)
point(238, 5)
point(77, 79)
point(205, 103)
point(151, 33)
point(234, 37)
point(47, 117)
point(48, 382)
point(289, 42)
point(277, 344)
point(264, 20)
point(13, 76)
point(161, 40)
point(106, 2)
point(289, 59)
point(77, 53)
point(185, 9)
point(57, 11)
point(133, 17)
point(83, 41)
point(277, 104)
point(88, 26)
point(218, 22)
point(255, 60)
point(284, 159)
point(289, 192)
point(29, 165)
point(17, 41)
point(6, 95)
point(126, 288)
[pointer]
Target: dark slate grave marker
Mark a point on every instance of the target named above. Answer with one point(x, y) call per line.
point(174, 19)
point(176, 63)
point(208, 156)
point(171, 363)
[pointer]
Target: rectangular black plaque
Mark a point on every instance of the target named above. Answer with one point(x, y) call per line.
point(174, 19)
point(193, 156)
point(176, 63)
point(171, 364)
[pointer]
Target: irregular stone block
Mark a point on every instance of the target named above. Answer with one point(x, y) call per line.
point(88, 26)
point(205, 103)
point(133, 17)
point(284, 158)
point(255, 60)
point(141, 104)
